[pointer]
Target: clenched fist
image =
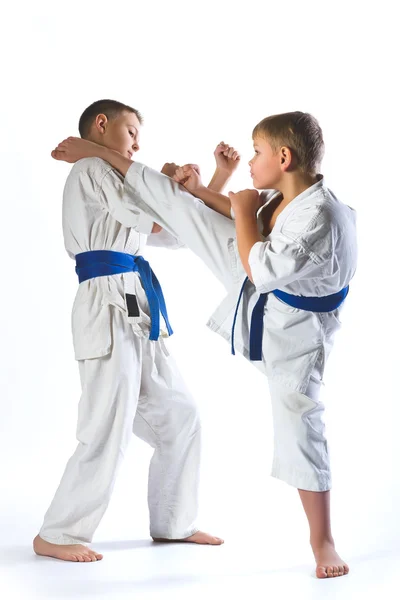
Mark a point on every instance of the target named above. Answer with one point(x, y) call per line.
point(246, 201)
point(189, 177)
point(227, 158)
point(169, 169)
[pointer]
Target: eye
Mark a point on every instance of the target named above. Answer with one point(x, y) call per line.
point(132, 133)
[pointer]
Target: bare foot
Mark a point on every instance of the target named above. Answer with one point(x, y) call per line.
point(197, 538)
point(329, 563)
point(73, 552)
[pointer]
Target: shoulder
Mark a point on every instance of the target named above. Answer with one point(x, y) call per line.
point(318, 210)
point(318, 222)
point(92, 168)
point(92, 176)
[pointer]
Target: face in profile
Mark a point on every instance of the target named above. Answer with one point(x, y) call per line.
point(120, 133)
point(266, 165)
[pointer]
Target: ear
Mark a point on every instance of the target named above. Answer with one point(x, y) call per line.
point(286, 158)
point(101, 123)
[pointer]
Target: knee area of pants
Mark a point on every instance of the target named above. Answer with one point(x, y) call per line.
point(192, 418)
point(186, 406)
point(183, 414)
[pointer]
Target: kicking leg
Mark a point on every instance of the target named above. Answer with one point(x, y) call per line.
point(208, 234)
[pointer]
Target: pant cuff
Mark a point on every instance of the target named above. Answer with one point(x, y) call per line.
point(174, 535)
point(312, 482)
point(62, 540)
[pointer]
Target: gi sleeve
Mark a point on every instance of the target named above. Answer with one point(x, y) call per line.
point(115, 197)
point(164, 239)
point(278, 262)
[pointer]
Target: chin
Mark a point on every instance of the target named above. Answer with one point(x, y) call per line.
point(265, 185)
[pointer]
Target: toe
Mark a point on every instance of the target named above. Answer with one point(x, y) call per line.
point(321, 573)
point(335, 571)
point(346, 569)
point(329, 570)
point(341, 570)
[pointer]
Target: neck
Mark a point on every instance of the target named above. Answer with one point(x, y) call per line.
point(95, 139)
point(295, 184)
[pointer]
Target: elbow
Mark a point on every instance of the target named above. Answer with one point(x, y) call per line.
point(249, 274)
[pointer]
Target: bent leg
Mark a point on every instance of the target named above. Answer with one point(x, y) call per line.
point(167, 419)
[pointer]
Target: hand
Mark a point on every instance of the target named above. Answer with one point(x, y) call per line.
point(227, 158)
point(169, 169)
point(189, 176)
point(73, 149)
point(245, 202)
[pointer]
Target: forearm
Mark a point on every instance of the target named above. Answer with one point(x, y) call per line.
point(119, 162)
point(214, 200)
point(247, 235)
point(219, 180)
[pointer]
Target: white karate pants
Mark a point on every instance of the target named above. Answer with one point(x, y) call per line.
point(138, 388)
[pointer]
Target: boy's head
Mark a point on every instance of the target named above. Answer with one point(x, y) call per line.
point(112, 124)
point(290, 142)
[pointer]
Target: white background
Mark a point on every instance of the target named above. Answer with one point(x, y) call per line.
point(201, 73)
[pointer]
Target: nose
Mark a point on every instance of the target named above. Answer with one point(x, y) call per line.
point(135, 146)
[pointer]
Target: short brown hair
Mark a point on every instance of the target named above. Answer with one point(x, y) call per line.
point(110, 108)
point(300, 132)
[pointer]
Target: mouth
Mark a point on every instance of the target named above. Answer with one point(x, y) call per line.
point(130, 154)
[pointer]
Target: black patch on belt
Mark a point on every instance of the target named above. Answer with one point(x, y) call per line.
point(132, 305)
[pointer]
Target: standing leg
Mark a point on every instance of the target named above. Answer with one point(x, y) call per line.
point(317, 508)
point(168, 420)
point(211, 236)
point(301, 459)
point(110, 392)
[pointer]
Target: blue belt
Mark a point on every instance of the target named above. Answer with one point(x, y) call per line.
point(324, 304)
point(99, 263)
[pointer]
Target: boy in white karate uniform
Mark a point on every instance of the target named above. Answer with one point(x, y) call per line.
point(129, 382)
point(297, 247)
